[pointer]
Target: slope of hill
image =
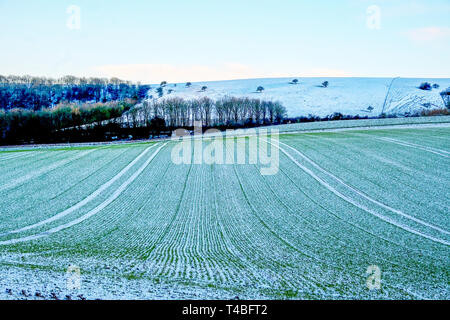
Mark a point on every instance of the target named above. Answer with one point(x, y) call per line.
point(346, 95)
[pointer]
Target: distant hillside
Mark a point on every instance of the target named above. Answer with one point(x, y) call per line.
point(36, 93)
point(352, 96)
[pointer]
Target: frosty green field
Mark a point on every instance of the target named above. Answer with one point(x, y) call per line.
point(139, 226)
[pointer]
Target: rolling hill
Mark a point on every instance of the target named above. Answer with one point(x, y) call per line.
point(350, 96)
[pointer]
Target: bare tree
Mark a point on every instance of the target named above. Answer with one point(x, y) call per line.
point(446, 97)
point(206, 105)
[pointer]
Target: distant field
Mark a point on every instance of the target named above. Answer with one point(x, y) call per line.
point(139, 226)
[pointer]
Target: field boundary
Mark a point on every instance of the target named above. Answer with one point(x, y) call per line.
point(240, 133)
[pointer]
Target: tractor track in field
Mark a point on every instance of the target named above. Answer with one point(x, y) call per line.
point(121, 217)
point(319, 260)
point(406, 169)
point(406, 176)
point(20, 155)
point(439, 152)
point(320, 235)
point(20, 181)
point(362, 229)
point(14, 168)
point(94, 211)
point(69, 187)
point(362, 194)
point(356, 204)
point(365, 231)
point(83, 202)
point(334, 238)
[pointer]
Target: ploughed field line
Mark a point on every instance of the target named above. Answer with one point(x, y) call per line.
point(86, 200)
point(326, 234)
point(34, 174)
point(404, 179)
point(308, 245)
point(396, 254)
point(36, 199)
point(15, 156)
point(83, 202)
point(365, 196)
point(440, 152)
point(23, 166)
point(41, 198)
point(310, 230)
point(367, 209)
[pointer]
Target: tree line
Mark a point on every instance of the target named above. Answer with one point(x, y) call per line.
point(74, 122)
point(64, 123)
point(36, 93)
point(224, 112)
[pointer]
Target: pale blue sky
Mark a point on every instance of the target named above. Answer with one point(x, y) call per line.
point(199, 40)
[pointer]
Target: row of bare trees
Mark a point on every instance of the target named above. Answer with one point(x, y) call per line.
point(231, 111)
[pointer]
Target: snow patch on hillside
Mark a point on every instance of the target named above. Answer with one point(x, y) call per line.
point(350, 96)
